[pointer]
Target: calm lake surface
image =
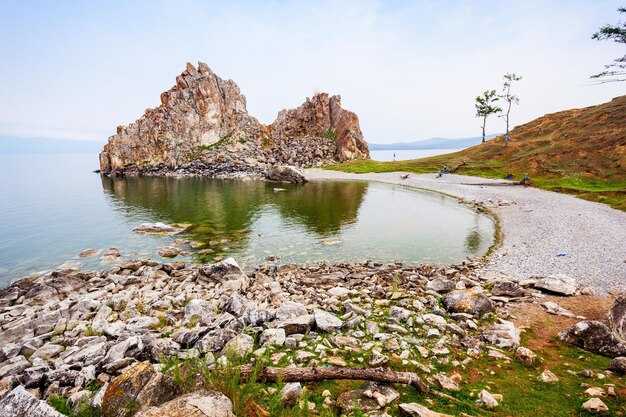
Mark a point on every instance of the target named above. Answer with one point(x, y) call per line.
point(53, 206)
point(403, 155)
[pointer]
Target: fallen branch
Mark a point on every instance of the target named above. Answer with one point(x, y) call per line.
point(299, 374)
point(458, 166)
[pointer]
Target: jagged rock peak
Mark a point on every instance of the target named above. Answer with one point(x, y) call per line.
point(323, 116)
point(203, 120)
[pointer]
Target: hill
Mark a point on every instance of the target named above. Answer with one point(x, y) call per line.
point(579, 151)
point(12, 145)
point(432, 143)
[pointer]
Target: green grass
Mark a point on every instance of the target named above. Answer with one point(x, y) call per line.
point(608, 190)
point(62, 405)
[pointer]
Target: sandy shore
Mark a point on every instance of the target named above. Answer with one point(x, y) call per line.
point(537, 227)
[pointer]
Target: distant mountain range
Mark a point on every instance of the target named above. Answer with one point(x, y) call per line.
point(432, 143)
point(12, 145)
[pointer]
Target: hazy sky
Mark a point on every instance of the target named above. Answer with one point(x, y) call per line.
point(409, 69)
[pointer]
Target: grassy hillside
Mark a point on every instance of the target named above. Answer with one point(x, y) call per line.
point(579, 151)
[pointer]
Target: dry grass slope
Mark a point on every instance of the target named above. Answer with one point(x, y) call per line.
point(579, 151)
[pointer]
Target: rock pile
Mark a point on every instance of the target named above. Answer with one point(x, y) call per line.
point(71, 330)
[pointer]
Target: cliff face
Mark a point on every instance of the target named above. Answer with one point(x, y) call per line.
point(203, 120)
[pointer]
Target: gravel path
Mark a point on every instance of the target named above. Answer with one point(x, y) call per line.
point(537, 225)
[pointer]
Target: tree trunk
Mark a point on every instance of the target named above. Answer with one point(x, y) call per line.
point(299, 374)
point(484, 123)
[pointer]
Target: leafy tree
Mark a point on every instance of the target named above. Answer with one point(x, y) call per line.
point(509, 98)
point(616, 33)
point(485, 107)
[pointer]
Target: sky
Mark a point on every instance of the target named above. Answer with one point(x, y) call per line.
point(409, 69)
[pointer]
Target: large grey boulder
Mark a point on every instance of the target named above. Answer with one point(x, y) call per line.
point(594, 337)
point(617, 317)
point(290, 310)
point(21, 403)
point(286, 174)
point(557, 284)
point(467, 301)
point(326, 322)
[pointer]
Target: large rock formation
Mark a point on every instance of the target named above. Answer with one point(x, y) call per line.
point(202, 127)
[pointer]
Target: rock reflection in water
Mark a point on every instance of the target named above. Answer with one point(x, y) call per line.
point(222, 212)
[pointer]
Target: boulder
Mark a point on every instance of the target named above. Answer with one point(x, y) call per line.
point(617, 317)
point(503, 334)
point(138, 388)
point(507, 289)
point(467, 301)
point(285, 174)
point(557, 284)
point(440, 284)
point(223, 271)
point(594, 337)
point(21, 403)
point(618, 365)
point(197, 404)
point(290, 310)
point(326, 322)
point(157, 228)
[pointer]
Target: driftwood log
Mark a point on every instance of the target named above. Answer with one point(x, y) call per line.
point(299, 374)
point(462, 164)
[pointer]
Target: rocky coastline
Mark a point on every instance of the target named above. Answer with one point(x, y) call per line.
point(116, 341)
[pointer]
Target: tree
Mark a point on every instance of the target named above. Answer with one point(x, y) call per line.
point(616, 33)
point(485, 107)
point(509, 98)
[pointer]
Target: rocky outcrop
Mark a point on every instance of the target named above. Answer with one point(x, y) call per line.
point(594, 336)
point(202, 127)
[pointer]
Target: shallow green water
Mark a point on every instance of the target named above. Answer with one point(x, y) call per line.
point(50, 216)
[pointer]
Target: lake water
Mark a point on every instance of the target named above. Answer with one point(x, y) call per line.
point(53, 206)
point(403, 155)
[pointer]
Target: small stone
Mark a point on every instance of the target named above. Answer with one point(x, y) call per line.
point(486, 399)
point(290, 394)
point(547, 376)
point(595, 405)
point(595, 392)
point(525, 355)
point(169, 252)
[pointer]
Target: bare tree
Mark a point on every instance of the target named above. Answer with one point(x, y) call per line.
point(617, 33)
point(485, 107)
point(509, 98)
